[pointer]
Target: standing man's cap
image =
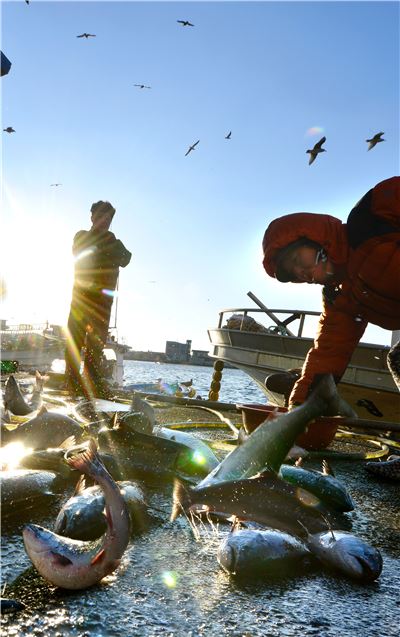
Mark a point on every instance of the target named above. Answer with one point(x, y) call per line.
point(102, 207)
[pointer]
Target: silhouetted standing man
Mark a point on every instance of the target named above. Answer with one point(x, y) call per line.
point(98, 257)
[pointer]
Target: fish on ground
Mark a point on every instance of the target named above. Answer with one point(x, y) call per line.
point(140, 454)
point(269, 444)
point(254, 553)
point(16, 402)
point(202, 454)
point(347, 553)
point(325, 485)
point(266, 499)
point(82, 516)
point(51, 459)
point(388, 469)
point(75, 564)
point(23, 489)
point(46, 429)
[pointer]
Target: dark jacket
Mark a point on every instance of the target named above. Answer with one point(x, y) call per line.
point(367, 251)
point(98, 257)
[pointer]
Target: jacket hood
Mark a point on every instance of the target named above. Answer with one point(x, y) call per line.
point(326, 230)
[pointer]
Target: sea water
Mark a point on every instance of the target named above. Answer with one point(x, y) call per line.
point(236, 386)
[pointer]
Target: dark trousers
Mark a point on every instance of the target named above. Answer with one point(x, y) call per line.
point(88, 323)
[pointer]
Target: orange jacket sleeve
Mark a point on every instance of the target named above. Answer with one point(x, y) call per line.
point(337, 337)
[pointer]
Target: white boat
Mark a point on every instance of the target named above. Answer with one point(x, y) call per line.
point(240, 340)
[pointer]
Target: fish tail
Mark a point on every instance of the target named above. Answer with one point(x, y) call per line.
point(181, 499)
point(86, 459)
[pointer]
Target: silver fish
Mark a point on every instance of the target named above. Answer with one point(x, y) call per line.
point(46, 429)
point(269, 444)
point(16, 402)
point(22, 489)
point(266, 499)
point(347, 553)
point(82, 516)
point(252, 553)
point(323, 485)
point(75, 564)
point(202, 454)
point(389, 469)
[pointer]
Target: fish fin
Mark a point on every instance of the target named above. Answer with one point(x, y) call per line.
point(265, 474)
point(114, 421)
point(299, 462)
point(236, 524)
point(327, 469)
point(61, 560)
point(181, 499)
point(80, 485)
point(42, 411)
point(68, 442)
point(304, 527)
point(98, 557)
point(328, 524)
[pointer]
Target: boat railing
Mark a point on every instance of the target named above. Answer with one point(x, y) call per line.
point(281, 326)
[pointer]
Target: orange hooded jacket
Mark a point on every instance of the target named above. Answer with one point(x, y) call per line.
point(367, 250)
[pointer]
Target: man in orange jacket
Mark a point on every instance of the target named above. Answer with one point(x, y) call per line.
point(357, 262)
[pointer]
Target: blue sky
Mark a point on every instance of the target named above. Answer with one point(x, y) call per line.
point(279, 75)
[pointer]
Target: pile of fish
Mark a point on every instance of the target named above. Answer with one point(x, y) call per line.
point(297, 512)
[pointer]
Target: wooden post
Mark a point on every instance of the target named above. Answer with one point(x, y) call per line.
point(215, 386)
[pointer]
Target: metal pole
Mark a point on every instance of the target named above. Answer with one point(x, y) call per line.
point(269, 313)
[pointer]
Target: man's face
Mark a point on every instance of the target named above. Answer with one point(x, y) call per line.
point(306, 266)
point(101, 220)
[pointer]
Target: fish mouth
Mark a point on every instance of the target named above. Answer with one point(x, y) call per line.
point(365, 570)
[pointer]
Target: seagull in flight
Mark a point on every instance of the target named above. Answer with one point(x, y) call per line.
point(86, 35)
point(192, 147)
point(55, 184)
point(142, 86)
point(228, 136)
point(9, 129)
point(375, 140)
point(317, 149)
point(185, 23)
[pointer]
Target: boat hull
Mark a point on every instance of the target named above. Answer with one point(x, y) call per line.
point(367, 384)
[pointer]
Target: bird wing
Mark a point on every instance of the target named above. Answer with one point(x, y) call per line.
point(195, 144)
point(181, 21)
point(81, 36)
point(378, 135)
point(321, 141)
point(188, 151)
point(312, 157)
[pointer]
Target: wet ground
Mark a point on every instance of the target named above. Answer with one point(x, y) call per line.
point(170, 584)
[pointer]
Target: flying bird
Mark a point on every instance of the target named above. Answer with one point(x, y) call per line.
point(228, 136)
point(317, 149)
point(142, 86)
point(55, 184)
point(192, 147)
point(86, 35)
point(9, 129)
point(185, 23)
point(375, 140)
